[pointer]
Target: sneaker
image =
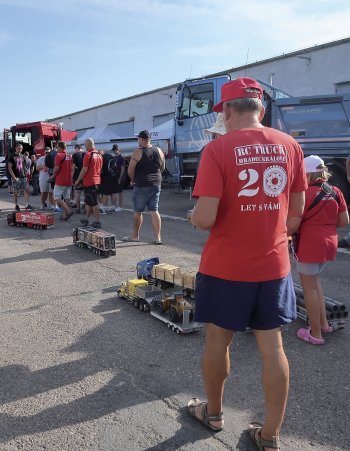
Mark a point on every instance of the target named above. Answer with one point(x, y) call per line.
point(84, 221)
point(28, 207)
point(96, 225)
point(118, 209)
point(17, 208)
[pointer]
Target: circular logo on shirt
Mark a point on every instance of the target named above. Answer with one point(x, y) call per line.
point(275, 179)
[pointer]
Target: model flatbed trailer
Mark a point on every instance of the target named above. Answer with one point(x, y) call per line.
point(146, 297)
point(336, 311)
point(184, 327)
point(98, 241)
point(31, 219)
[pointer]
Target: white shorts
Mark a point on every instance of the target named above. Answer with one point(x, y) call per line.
point(44, 186)
point(310, 269)
point(60, 192)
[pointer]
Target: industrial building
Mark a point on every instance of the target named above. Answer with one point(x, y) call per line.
point(321, 69)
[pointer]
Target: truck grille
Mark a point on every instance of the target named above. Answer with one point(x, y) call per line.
point(2, 171)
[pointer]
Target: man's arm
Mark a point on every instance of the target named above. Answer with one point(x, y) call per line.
point(135, 158)
point(81, 175)
point(204, 213)
point(162, 159)
point(295, 211)
point(9, 166)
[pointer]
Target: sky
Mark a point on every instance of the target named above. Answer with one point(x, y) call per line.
point(62, 56)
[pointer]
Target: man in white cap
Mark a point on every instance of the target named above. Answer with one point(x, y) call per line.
point(251, 182)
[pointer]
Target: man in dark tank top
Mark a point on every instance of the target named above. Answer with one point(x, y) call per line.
point(145, 171)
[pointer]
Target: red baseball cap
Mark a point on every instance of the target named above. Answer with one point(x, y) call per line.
point(239, 89)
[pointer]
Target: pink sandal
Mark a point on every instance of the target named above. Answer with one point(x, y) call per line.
point(327, 330)
point(305, 335)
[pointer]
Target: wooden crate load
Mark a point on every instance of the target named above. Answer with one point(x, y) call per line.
point(189, 280)
point(166, 272)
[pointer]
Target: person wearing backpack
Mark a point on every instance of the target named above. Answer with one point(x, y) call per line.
point(325, 210)
point(109, 180)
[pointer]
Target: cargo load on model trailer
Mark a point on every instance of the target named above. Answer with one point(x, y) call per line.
point(321, 125)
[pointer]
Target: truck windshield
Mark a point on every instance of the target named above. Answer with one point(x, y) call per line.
point(326, 119)
point(197, 100)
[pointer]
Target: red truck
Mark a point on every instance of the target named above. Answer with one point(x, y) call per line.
point(35, 136)
point(31, 219)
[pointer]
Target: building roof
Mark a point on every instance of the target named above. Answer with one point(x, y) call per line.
point(233, 69)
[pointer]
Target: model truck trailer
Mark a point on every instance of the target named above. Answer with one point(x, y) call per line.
point(321, 124)
point(31, 219)
point(98, 241)
point(176, 313)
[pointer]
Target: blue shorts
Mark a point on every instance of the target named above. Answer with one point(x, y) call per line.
point(145, 196)
point(237, 305)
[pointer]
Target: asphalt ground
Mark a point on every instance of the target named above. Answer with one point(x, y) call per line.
point(82, 370)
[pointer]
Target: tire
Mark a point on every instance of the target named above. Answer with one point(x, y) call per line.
point(136, 303)
point(174, 317)
point(146, 308)
point(160, 307)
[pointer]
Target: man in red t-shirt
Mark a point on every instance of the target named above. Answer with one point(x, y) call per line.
point(62, 173)
point(250, 189)
point(91, 177)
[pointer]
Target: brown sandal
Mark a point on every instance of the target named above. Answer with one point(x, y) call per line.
point(255, 435)
point(205, 420)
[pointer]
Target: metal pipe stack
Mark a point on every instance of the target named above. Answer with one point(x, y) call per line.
point(337, 312)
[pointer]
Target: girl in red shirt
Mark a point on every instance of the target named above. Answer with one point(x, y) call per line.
point(318, 244)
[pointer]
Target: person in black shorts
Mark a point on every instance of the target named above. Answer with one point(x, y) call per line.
point(78, 158)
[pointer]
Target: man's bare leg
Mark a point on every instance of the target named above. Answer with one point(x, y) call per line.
point(275, 380)
point(138, 219)
point(215, 368)
point(156, 224)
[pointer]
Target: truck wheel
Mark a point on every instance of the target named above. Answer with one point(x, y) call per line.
point(141, 306)
point(174, 317)
point(136, 303)
point(160, 307)
point(146, 308)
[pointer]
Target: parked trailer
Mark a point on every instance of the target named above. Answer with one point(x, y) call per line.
point(98, 241)
point(31, 219)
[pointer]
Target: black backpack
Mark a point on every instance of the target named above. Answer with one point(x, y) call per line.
point(50, 159)
point(113, 167)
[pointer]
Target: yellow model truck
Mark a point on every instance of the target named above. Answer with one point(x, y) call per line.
point(140, 293)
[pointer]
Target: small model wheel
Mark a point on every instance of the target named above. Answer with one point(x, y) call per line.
point(168, 325)
point(160, 307)
point(173, 328)
point(174, 317)
point(178, 331)
point(146, 308)
point(141, 306)
point(136, 303)
point(192, 295)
